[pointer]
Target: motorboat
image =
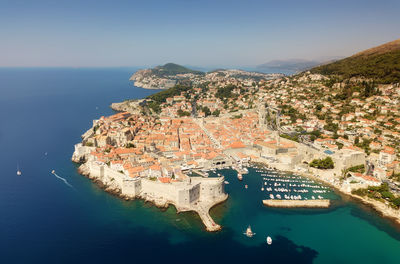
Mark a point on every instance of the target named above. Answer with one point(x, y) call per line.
point(249, 232)
point(269, 240)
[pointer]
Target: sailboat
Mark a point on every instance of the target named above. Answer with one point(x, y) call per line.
point(269, 240)
point(18, 171)
point(248, 232)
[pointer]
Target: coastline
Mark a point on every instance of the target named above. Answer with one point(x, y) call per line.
point(202, 208)
point(382, 209)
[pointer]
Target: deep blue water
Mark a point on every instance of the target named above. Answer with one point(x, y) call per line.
point(42, 220)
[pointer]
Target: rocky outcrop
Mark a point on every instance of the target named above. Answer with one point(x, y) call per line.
point(131, 106)
point(81, 153)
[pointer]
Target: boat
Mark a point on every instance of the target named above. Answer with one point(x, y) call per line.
point(53, 171)
point(269, 240)
point(226, 182)
point(271, 196)
point(246, 186)
point(240, 177)
point(19, 173)
point(248, 232)
point(262, 189)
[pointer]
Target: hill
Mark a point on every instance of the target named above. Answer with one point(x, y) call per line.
point(172, 69)
point(381, 63)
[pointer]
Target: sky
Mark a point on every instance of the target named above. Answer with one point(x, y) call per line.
point(205, 33)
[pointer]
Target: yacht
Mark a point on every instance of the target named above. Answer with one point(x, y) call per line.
point(226, 182)
point(249, 233)
point(246, 186)
point(269, 240)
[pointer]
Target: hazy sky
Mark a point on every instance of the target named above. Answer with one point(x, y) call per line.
point(203, 33)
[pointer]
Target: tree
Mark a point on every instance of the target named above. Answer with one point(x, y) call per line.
point(183, 113)
point(216, 113)
point(206, 111)
point(324, 164)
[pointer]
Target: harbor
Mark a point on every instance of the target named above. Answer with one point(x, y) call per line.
point(92, 219)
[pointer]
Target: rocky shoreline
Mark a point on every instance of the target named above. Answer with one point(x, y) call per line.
point(202, 208)
point(131, 106)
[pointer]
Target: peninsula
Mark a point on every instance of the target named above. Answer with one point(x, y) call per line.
point(340, 127)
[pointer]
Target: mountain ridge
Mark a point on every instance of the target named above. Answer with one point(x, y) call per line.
point(380, 63)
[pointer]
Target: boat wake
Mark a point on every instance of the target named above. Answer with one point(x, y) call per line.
point(64, 180)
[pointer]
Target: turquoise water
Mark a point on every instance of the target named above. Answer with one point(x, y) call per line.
point(42, 220)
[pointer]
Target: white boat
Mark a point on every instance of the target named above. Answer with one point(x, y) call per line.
point(248, 232)
point(278, 196)
point(246, 186)
point(269, 240)
point(19, 173)
point(240, 177)
point(271, 196)
point(262, 189)
point(53, 171)
point(226, 182)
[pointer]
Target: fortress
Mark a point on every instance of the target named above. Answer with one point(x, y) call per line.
point(191, 194)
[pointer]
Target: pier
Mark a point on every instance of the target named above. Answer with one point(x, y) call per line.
point(324, 203)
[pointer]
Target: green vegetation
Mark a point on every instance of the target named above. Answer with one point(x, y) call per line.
point(359, 168)
point(216, 113)
point(382, 64)
point(130, 145)
point(225, 92)
point(95, 128)
point(158, 98)
point(364, 145)
point(294, 137)
point(206, 111)
point(381, 193)
point(183, 113)
point(172, 69)
point(237, 116)
point(88, 144)
point(323, 164)
point(395, 176)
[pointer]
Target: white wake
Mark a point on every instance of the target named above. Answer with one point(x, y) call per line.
point(64, 180)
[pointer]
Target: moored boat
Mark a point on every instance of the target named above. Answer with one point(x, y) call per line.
point(240, 177)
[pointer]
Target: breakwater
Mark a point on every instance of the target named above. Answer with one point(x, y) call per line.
point(324, 203)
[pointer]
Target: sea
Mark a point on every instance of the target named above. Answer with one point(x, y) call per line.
point(44, 219)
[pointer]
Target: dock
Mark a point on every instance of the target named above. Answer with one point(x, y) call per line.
point(323, 203)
